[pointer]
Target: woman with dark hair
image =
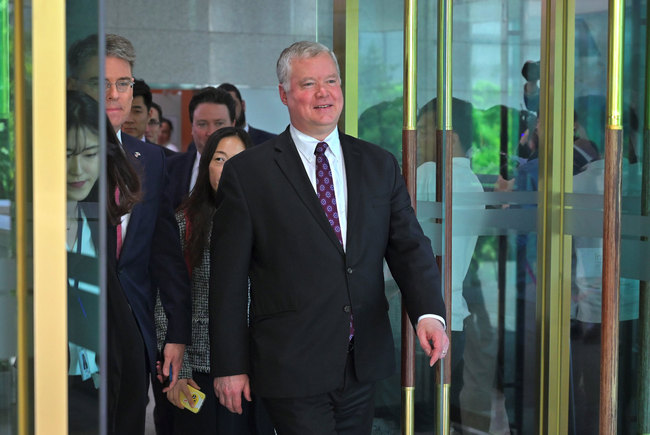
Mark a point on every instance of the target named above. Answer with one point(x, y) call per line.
point(125, 371)
point(194, 218)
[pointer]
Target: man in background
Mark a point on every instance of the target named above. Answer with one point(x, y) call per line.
point(165, 135)
point(153, 125)
point(136, 122)
point(257, 136)
point(210, 109)
point(150, 256)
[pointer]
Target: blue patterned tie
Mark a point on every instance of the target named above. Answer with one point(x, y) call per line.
point(327, 197)
point(325, 189)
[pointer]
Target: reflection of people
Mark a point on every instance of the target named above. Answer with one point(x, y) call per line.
point(586, 312)
point(195, 223)
point(152, 256)
point(319, 335)
point(472, 364)
point(126, 376)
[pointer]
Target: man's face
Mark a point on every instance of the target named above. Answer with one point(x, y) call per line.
point(88, 78)
point(315, 99)
point(153, 126)
point(165, 134)
point(208, 118)
point(118, 104)
point(136, 122)
point(240, 108)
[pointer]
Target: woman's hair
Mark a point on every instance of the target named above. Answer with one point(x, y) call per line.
point(200, 206)
point(83, 112)
point(122, 175)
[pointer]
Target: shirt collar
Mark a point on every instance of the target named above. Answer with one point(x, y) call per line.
point(307, 144)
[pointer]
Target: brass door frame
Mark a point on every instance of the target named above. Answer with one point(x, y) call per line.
point(554, 247)
point(49, 168)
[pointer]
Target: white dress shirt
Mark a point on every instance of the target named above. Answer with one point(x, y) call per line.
point(195, 170)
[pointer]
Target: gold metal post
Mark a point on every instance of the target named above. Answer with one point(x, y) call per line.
point(23, 355)
point(409, 165)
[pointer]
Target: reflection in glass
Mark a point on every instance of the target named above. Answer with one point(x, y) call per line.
point(82, 243)
point(586, 216)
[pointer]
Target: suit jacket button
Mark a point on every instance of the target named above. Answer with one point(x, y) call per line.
point(350, 270)
point(347, 308)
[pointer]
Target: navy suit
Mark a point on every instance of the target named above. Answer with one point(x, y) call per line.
point(180, 174)
point(259, 136)
point(151, 255)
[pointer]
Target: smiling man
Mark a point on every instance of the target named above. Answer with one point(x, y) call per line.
point(308, 218)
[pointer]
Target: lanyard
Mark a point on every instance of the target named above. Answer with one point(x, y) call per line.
point(75, 284)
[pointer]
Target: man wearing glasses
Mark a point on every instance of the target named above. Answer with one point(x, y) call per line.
point(151, 258)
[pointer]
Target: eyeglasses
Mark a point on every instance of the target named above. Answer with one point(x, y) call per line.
point(153, 122)
point(121, 85)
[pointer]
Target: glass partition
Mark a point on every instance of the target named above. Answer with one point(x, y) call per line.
point(496, 52)
point(85, 145)
point(584, 216)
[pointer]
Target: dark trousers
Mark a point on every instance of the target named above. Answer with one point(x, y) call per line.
point(163, 411)
point(346, 410)
point(212, 418)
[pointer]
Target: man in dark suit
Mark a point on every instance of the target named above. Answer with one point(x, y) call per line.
point(210, 109)
point(319, 335)
point(151, 255)
point(257, 136)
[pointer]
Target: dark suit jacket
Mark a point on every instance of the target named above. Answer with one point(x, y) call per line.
point(151, 256)
point(180, 174)
point(259, 136)
point(270, 226)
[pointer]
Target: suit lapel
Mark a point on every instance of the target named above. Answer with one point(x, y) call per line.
point(290, 164)
point(352, 159)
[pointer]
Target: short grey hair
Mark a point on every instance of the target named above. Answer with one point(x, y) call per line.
point(121, 48)
point(300, 50)
point(83, 50)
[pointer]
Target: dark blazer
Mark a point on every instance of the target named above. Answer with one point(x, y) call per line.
point(259, 136)
point(151, 255)
point(180, 174)
point(270, 226)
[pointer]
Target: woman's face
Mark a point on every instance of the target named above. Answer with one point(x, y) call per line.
point(83, 162)
point(227, 147)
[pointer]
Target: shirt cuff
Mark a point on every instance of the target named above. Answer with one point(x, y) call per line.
point(434, 316)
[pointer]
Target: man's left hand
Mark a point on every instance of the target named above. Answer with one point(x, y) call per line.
point(173, 354)
point(433, 339)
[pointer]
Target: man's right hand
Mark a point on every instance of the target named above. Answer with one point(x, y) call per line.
point(229, 390)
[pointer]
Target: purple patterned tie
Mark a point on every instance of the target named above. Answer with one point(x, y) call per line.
point(325, 189)
point(327, 197)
